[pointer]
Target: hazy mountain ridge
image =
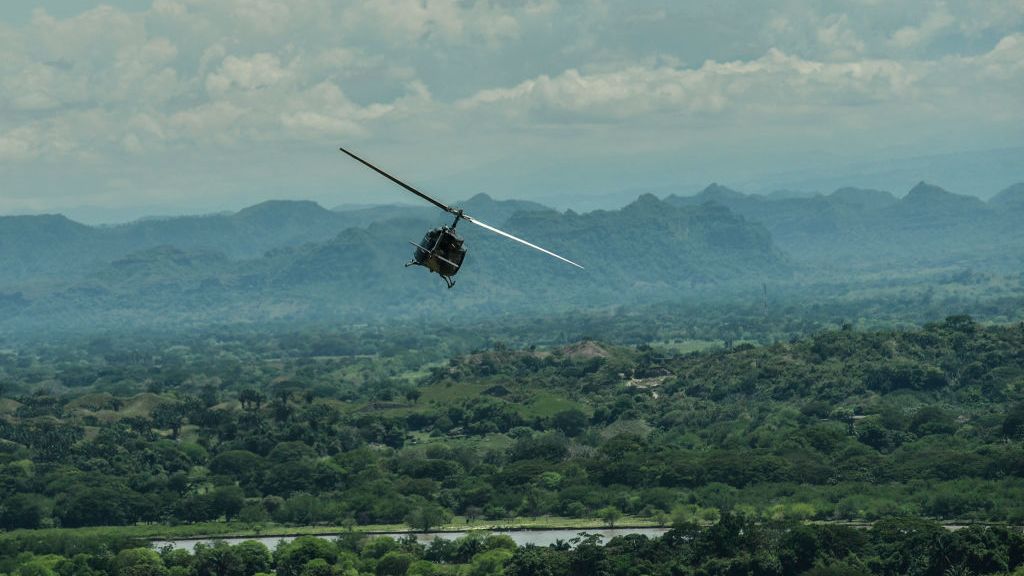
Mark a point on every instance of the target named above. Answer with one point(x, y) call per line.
point(1011, 197)
point(284, 259)
point(53, 248)
point(646, 249)
point(856, 229)
point(864, 197)
point(26, 242)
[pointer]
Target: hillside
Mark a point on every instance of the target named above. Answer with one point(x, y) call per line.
point(295, 261)
point(647, 249)
point(53, 249)
point(39, 249)
point(1011, 198)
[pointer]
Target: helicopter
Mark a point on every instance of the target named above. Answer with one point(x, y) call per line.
point(442, 250)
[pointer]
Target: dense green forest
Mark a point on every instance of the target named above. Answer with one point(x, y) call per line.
point(752, 432)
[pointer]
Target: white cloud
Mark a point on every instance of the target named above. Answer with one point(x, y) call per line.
point(784, 83)
point(214, 121)
point(20, 145)
point(981, 17)
point(258, 72)
point(88, 38)
point(323, 110)
point(34, 87)
point(420, 23)
point(937, 21)
point(1006, 61)
point(838, 39)
point(169, 8)
point(265, 16)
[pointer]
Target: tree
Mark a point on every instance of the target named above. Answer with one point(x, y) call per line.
point(196, 508)
point(169, 416)
point(317, 567)
point(79, 565)
point(932, 420)
point(490, 563)
point(139, 562)
point(241, 464)
point(1013, 424)
point(588, 558)
point(95, 506)
point(215, 559)
point(661, 518)
point(422, 568)
point(228, 500)
point(570, 422)
point(610, 515)
point(39, 566)
point(798, 549)
point(532, 560)
point(252, 400)
point(22, 511)
point(292, 557)
point(394, 563)
point(220, 559)
point(426, 517)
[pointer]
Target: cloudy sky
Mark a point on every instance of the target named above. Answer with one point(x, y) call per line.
point(114, 110)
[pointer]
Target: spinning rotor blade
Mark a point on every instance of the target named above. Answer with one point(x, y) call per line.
point(399, 182)
point(458, 213)
point(520, 240)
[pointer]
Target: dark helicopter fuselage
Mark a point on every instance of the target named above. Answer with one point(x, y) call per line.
point(441, 251)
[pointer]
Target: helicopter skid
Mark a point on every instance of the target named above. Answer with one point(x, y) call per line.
point(447, 279)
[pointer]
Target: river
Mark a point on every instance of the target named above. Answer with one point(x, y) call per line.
point(521, 537)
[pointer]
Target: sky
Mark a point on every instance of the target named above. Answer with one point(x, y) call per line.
point(112, 111)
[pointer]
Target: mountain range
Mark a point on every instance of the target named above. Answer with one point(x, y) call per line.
point(290, 260)
point(856, 229)
point(52, 248)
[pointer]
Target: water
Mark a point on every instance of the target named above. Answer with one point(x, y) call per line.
point(521, 537)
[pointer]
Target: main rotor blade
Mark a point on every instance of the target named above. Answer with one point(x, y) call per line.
point(399, 182)
point(520, 240)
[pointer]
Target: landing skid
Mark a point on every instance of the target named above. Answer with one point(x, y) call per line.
point(447, 279)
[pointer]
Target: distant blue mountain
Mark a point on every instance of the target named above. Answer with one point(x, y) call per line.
point(858, 229)
point(1011, 198)
point(648, 249)
point(53, 248)
point(296, 260)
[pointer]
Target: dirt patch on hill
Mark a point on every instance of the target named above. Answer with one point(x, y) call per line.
point(585, 350)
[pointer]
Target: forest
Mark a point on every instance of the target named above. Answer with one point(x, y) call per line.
point(746, 446)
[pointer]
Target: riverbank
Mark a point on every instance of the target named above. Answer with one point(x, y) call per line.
point(240, 530)
point(514, 525)
point(213, 530)
point(542, 537)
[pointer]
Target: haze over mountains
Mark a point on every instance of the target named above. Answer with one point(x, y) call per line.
point(855, 229)
point(294, 260)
